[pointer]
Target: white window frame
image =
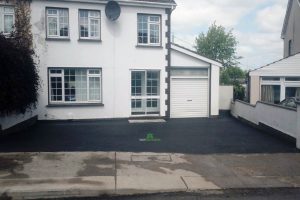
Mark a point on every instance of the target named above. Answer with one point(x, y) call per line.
point(89, 24)
point(58, 23)
point(62, 75)
point(145, 96)
point(282, 82)
point(3, 14)
point(149, 23)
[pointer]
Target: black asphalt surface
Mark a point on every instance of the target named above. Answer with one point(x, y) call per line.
point(194, 136)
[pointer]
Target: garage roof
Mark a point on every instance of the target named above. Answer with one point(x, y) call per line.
point(289, 66)
point(194, 54)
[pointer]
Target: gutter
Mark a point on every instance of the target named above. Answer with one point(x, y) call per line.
point(126, 3)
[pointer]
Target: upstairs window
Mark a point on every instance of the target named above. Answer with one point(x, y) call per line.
point(57, 23)
point(89, 24)
point(149, 29)
point(290, 48)
point(7, 19)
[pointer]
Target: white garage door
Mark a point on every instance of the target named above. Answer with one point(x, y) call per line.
point(189, 97)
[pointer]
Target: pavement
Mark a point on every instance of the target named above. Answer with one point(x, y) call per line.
point(189, 136)
point(91, 174)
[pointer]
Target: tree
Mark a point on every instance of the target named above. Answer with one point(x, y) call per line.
point(232, 76)
point(217, 44)
point(19, 80)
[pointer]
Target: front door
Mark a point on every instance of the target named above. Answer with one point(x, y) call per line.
point(145, 92)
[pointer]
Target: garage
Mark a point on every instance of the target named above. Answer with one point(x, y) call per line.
point(190, 93)
point(194, 84)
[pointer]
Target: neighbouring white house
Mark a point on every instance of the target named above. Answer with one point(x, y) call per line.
point(114, 59)
point(291, 29)
point(280, 79)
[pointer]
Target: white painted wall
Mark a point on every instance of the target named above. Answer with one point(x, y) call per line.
point(215, 83)
point(178, 59)
point(226, 97)
point(12, 120)
point(279, 118)
point(117, 54)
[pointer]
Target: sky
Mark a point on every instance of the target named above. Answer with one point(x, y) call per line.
point(256, 24)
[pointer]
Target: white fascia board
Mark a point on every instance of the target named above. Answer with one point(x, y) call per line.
point(195, 55)
point(126, 3)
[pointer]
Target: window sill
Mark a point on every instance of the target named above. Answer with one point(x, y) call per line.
point(76, 105)
point(89, 40)
point(149, 46)
point(58, 39)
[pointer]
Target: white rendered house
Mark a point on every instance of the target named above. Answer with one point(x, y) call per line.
point(93, 66)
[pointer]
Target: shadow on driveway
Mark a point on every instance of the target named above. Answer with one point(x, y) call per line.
point(193, 136)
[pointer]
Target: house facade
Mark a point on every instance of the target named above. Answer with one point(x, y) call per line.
point(281, 79)
point(291, 29)
point(94, 67)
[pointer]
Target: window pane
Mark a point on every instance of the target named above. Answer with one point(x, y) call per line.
point(154, 33)
point(75, 85)
point(63, 22)
point(270, 93)
point(292, 78)
point(52, 12)
point(153, 106)
point(52, 26)
point(154, 18)
point(8, 23)
point(55, 71)
point(56, 88)
point(84, 23)
point(143, 29)
point(271, 78)
point(95, 27)
point(137, 81)
point(292, 92)
point(152, 83)
point(190, 72)
point(94, 88)
point(8, 10)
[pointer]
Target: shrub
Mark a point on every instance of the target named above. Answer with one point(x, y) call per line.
point(239, 92)
point(19, 80)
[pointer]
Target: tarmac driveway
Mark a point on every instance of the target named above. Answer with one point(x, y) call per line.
point(193, 136)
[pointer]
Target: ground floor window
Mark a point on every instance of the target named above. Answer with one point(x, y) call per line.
point(145, 92)
point(292, 92)
point(74, 85)
point(270, 93)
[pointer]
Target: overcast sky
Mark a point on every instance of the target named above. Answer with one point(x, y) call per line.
point(256, 24)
